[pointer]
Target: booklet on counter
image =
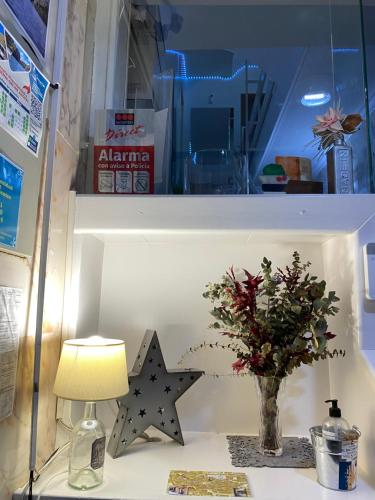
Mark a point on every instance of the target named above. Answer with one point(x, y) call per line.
point(202, 483)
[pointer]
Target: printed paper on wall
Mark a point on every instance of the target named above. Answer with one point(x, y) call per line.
point(23, 89)
point(10, 310)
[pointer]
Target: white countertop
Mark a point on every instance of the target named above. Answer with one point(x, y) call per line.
point(142, 474)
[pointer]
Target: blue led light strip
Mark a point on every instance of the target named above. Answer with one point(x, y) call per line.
point(345, 51)
point(181, 63)
point(183, 74)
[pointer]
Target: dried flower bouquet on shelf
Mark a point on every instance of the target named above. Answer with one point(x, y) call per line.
point(333, 126)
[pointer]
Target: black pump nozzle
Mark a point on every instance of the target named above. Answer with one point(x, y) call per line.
point(334, 411)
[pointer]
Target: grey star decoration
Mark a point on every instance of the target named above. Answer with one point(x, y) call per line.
point(153, 392)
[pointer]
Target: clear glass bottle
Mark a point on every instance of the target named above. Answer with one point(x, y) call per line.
point(335, 426)
point(87, 451)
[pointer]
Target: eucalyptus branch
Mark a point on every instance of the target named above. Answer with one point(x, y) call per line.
point(209, 345)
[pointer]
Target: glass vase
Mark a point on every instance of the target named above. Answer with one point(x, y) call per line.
point(340, 168)
point(270, 391)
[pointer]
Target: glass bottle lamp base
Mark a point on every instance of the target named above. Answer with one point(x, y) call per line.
point(84, 479)
point(86, 464)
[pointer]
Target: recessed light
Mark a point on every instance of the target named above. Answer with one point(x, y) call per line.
point(316, 99)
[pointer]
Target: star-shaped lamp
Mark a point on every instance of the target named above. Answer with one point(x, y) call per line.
point(153, 392)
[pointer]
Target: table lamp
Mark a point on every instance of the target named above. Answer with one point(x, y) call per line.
point(90, 370)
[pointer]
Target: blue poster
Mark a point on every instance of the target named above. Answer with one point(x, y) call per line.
point(33, 16)
point(11, 179)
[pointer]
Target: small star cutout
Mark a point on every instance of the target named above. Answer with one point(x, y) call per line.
point(153, 378)
point(161, 410)
point(167, 389)
point(137, 393)
point(142, 413)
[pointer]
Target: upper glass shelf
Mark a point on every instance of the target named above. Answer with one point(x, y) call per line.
point(231, 98)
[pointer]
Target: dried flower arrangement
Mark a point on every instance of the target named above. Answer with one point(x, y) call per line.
point(277, 319)
point(333, 125)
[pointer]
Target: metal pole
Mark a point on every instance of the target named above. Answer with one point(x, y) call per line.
point(51, 143)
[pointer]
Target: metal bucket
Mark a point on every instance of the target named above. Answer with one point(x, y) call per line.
point(336, 461)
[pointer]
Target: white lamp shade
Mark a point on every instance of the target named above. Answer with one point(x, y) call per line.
point(92, 369)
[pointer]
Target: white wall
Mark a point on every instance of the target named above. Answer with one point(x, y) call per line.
point(352, 379)
point(159, 285)
point(83, 303)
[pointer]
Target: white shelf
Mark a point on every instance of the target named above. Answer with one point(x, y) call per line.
point(319, 214)
point(143, 473)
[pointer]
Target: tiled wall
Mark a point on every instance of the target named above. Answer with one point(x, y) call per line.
point(15, 431)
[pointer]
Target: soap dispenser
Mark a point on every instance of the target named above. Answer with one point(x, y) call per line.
point(334, 427)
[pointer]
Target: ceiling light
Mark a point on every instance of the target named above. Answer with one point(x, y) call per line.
point(316, 99)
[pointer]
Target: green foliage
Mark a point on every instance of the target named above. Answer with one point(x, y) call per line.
point(279, 317)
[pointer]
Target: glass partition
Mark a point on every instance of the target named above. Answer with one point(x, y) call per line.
point(368, 34)
point(236, 87)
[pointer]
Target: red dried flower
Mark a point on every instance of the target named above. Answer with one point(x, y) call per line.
point(239, 365)
point(329, 335)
